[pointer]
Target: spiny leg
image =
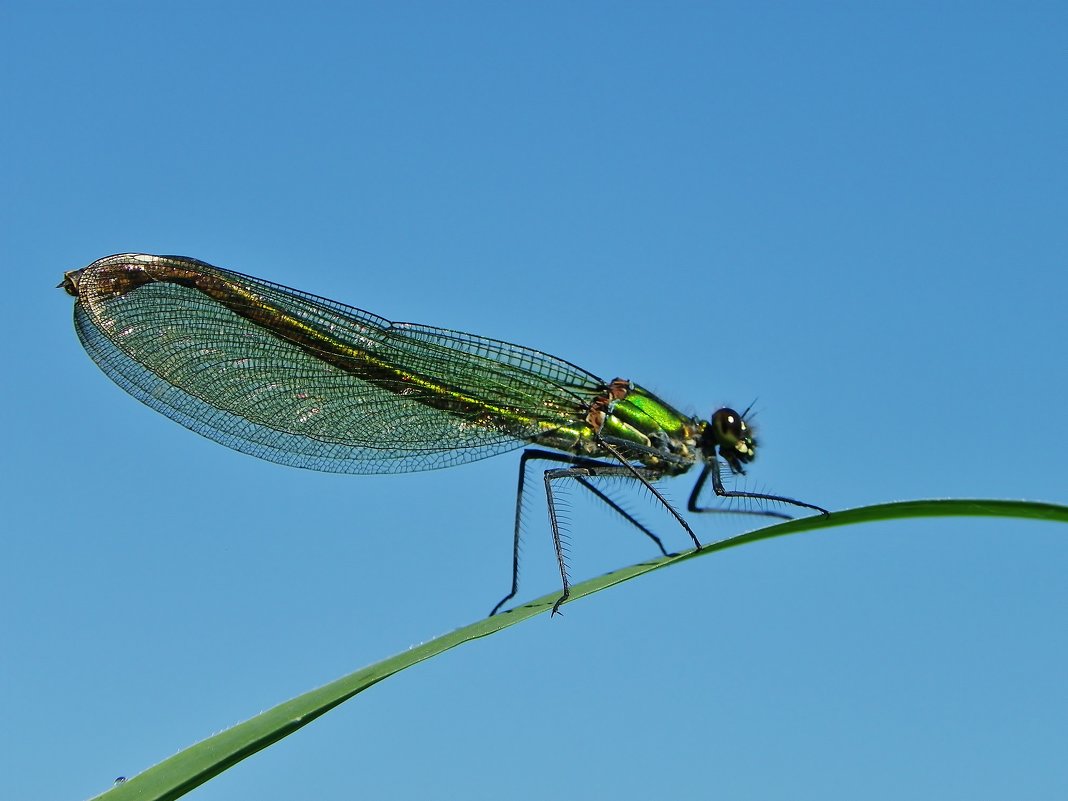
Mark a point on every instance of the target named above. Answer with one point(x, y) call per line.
point(577, 461)
point(615, 507)
point(589, 469)
point(712, 469)
point(528, 454)
point(550, 476)
point(691, 504)
point(594, 468)
point(629, 469)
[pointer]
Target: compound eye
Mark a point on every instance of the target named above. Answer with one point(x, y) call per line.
point(729, 425)
point(734, 438)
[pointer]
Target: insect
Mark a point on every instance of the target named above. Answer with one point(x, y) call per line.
point(305, 381)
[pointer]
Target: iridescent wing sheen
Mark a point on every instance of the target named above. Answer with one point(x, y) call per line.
point(306, 381)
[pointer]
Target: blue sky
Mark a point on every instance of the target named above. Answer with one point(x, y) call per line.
point(852, 213)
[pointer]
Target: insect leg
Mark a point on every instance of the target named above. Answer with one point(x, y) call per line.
point(582, 469)
point(588, 469)
point(527, 455)
point(628, 469)
point(712, 469)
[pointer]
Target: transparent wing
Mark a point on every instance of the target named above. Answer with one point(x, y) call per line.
point(310, 382)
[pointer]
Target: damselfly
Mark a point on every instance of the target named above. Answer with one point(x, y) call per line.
point(309, 382)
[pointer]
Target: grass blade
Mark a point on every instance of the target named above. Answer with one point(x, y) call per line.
point(197, 764)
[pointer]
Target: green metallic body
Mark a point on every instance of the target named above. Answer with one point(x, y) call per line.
point(665, 439)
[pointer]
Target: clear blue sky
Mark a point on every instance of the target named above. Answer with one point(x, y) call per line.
point(856, 214)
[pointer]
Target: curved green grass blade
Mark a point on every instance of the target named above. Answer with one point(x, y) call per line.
point(197, 764)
